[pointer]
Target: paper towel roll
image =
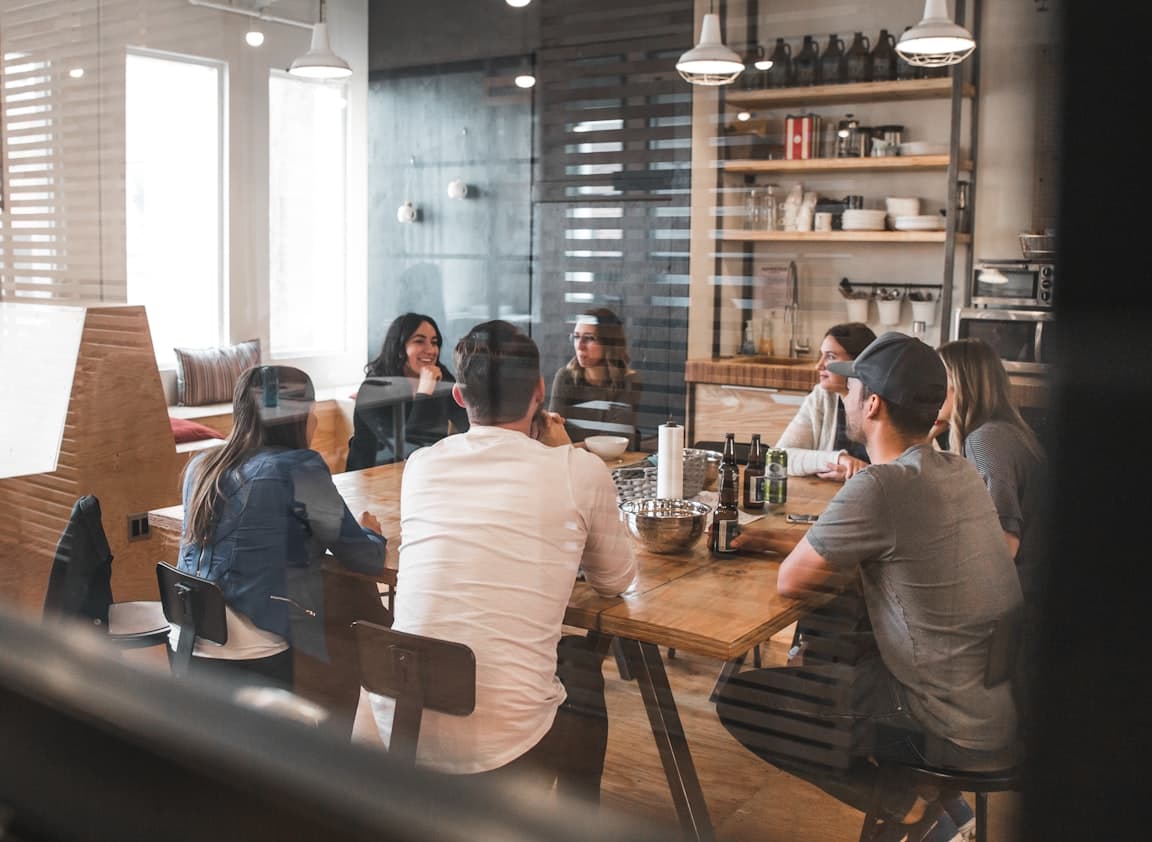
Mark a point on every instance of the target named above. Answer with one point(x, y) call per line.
point(670, 462)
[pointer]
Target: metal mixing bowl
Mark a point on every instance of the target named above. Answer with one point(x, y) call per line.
point(665, 526)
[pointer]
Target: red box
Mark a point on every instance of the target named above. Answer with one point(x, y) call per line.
point(801, 136)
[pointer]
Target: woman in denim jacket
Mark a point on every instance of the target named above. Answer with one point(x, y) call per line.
point(259, 514)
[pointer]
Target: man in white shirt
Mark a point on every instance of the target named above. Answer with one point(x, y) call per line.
point(496, 523)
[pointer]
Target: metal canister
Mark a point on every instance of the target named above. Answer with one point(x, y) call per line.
point(776, 476)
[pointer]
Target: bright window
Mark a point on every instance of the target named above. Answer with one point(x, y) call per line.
point(175, 188)
point(306, 215)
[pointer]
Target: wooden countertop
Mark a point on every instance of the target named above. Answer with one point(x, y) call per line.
point(756, 371)
point(800, 375)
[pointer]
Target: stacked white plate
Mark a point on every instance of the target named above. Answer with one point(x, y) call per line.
point(921, 222)
point(857, 219)
point(923, 147)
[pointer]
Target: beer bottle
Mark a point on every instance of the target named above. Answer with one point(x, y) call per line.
point(753, 473)
point(725, 520)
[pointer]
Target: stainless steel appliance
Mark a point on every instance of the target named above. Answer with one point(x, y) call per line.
point(1013, 283)
point(1024, 339)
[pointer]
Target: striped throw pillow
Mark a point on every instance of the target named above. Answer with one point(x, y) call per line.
point(208, 375)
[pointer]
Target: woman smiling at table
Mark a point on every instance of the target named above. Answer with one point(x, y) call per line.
point(816, 439)
point(411, 354)
point(600, 371)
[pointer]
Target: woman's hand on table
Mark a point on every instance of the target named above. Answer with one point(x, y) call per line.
point(843, 469)
point(429, 377)
point(370, 521)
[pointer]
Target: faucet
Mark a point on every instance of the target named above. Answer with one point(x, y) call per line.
point(796, 348)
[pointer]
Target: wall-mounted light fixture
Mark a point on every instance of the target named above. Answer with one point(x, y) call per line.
point(320, 62)
point(936, 41)
point(407, 212)
point(254, 37)
point(457, 189)
point(710, 62)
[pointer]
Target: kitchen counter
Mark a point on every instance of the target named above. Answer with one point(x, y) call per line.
point(800, 375)
point(756, 371)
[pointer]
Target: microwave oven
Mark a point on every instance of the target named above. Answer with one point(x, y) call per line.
point(1013, 283)
point(1023, 339)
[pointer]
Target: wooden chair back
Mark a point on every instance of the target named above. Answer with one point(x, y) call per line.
point(417, 672)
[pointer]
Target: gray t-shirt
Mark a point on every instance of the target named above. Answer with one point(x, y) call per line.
point(1016, 479)
point(936, 575)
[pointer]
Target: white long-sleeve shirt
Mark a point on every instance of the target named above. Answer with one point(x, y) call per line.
point(494, 527)
point(811, 433)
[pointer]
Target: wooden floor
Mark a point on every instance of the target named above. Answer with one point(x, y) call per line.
point(747, 798)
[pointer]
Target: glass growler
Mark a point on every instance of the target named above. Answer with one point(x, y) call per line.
point(806, 64)
point(754, 476)
point(858, 59)
point(725, 520)
point(779, 75)
point(885, 60)
point(832, 61)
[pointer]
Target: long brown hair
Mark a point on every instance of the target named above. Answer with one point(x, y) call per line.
point(290, 391)
point(610, 335)
point(981, 392)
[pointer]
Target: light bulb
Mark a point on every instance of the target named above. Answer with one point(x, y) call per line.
point(254, 37)
point(518, 4)
point(525, 80)
point(744, 116)
point(76, 72)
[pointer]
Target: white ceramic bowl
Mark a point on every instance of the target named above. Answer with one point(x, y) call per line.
point(902, 207)
point(607, 447)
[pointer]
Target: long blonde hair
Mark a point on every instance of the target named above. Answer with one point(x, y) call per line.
point(251, 430)
point(981, 392)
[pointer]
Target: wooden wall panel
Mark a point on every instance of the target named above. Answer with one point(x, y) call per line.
point(117, 444)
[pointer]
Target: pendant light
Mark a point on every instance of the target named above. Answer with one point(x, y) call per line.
point(936, 41)
point(710, 62)
point(320, 62)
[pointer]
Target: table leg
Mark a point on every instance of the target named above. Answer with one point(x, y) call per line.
point(647, 667)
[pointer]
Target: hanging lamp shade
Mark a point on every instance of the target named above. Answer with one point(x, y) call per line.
point(710, 62)
point(936, 41)
point(320, 62)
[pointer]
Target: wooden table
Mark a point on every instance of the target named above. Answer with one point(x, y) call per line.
point(692, 601)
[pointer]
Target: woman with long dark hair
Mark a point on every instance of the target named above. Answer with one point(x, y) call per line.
point(597, 391)
point(406, 386)
point(817, 438)
point(259, 514)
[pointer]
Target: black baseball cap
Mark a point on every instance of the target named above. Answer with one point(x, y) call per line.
point(900, 369)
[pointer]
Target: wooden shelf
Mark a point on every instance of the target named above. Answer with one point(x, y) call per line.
point(739, 235)
point(890, 164)
point(908, 89)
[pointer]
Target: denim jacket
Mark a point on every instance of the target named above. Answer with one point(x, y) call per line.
point(279, 513)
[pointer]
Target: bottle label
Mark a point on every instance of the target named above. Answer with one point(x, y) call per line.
point(756, 490)
point(776, 483)
point(726, 531)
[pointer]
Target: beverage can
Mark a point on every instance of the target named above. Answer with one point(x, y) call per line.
point(776, 476)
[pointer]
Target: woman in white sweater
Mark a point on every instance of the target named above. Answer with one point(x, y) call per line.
point(817, 439)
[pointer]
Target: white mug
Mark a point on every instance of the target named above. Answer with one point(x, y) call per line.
point(823, 221)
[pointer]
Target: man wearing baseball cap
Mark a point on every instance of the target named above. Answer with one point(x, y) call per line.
point(916, 532)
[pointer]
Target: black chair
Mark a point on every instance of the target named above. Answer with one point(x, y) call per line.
point(418, 672)
point(196, 607)
point(80, 584)
point(1001, 667)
